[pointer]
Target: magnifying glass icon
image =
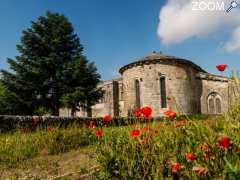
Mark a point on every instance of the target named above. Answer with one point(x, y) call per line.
point(233, 4)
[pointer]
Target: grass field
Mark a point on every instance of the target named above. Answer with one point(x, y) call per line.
point(153, 150)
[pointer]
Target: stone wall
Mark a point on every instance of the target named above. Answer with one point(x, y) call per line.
point(217, 85)
point(110, 103)
point(180, 87)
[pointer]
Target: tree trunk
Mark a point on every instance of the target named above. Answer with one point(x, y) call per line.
point(55, 110)
point(89, 111)
point(73, 111)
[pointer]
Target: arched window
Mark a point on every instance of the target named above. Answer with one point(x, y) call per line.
point(137, 89)
point(211, 105)
point(163, 92)
point(214, 103)
point(218, 106)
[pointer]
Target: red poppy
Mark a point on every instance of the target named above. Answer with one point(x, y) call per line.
point(225, 142)
point(176, 167)
point(99, 133)
point(135, 133)
point(91, 125)
point(107, 118)
point(179, 124)
point(205, 147)
point(146, 111)
point(145, 129)
point(142, 141)
point(170, 114)
point(221, 67)
point(138, 113)
point(51, 129)
point(191, 156)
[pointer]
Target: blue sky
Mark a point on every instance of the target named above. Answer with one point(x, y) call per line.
point(113, 32)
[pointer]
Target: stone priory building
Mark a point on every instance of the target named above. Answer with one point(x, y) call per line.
point(164, 83)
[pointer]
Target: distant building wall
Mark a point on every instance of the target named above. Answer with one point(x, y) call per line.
point(180, 88)
point(110, 103)
point(215, 89)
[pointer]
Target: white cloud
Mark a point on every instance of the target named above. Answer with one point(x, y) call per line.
point(184, 19)
point(234, 43)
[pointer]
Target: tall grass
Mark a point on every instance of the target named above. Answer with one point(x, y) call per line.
point(19, 146)
point(152, 154)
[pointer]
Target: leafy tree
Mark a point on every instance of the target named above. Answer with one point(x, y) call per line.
point(44, 72)
point(8, 101)
point(83, 92)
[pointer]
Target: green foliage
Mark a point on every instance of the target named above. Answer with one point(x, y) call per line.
point(41, 111)
point(19, 146)
point(50, 67)
point(82, 82)
point(234, 112)
point(8, 101)
point(152, 154)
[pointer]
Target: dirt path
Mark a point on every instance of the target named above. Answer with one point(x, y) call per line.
point(72, 164)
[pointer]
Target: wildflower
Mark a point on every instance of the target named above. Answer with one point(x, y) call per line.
point(99, 133)
point(146, 111)
point(191, 156)
point(176, 167)
point(138, 113)
point(142, 141)
point(133, 126)
point(107, 118)
point(91, 125)
point(221, 67)
point(170, 114)
point(179, 124)
point(205, 147)
point(200, 170)
point(145, 129)
point(225, 142)
point(135, 133)
point(51, 129)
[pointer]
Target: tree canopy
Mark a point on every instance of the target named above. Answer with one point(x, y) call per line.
point(51, 70)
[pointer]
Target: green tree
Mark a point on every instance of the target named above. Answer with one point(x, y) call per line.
point(83, 80)
point(8, 101)
point(40, 75)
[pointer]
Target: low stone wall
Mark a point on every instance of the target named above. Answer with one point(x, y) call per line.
point(30, 123)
